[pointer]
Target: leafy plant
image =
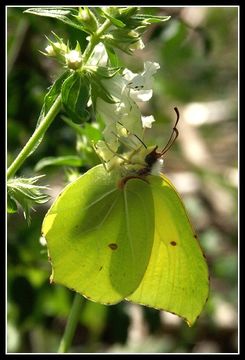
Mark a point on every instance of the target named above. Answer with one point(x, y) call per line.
point(105, 235)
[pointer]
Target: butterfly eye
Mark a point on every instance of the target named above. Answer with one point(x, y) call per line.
point(151, 158)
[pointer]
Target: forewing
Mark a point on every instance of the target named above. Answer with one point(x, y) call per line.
point(95, 233)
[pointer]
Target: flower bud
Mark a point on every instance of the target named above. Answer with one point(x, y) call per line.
point(127, 12)
point(55, 49)
point(137, 45)
point(73, 59)
point(111, 10)
point(88, 19)
point(147, 121)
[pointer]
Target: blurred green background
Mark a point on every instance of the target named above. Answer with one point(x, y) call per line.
point(198, 54)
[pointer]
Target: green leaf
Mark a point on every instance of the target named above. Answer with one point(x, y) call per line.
point(99, 90)
point(50, 11)
point(68, 160)
point(91, 132)
point(140, 22)
point(53, 93)
point(88, 19)
point(149, 19)
point(114, 59)
point(122, 39)
point(176, 279)
point(88, 133)
point(26, 194)
point(126, 13)
point(11, 205)
point(75, 95)
point(66, 15)
point(25, 187)
point(98, 244)
point(114, 21)
point(105, 72)
point(49, 100)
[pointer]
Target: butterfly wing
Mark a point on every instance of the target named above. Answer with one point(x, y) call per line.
point(176, 279)
point(98, 244)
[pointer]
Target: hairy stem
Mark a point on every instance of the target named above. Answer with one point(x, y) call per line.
point(71, 324)
point(95, 38)
point(36, 136)
point(54, 110)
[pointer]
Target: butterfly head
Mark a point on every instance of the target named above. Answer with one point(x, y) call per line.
point(152, 157)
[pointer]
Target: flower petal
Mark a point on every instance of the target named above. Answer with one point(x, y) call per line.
point(99, 56)
point(73, 56)
point(150, 68)
point(115, 85)
point(147, 121)
point(141, 95)
point(109, 112)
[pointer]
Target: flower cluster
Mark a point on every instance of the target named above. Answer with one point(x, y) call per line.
point(71, 58)
point(92, 87)
point(123, 117)
point(113, 92)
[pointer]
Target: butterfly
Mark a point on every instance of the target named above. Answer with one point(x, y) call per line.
point(113, 236)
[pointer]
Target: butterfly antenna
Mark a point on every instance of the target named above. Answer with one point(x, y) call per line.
point(174, 134)
point(140, 141)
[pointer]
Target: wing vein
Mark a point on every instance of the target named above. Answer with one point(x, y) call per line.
point(104, 218)
point(99, 199)
point(127, 225)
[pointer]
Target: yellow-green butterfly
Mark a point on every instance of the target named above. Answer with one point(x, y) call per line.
point(113, 236)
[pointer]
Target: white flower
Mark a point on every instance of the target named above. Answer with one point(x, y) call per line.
point(73, 59)
point(138, 45)
point(108, 112)
point(50, 50)
point(124, 111)
point(147, 121)
point(55, 48)
point(73, 56)
point(122, 118)
point(126, 90)
point(99, 56)
point(140, 84)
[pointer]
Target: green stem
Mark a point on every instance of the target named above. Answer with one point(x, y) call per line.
point(74, 126)
point(95, 38)
point(36, 136)
point(71, 324)
point(40, 131)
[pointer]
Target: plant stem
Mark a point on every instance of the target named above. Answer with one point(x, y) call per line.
point(74, 126)
point(95, 38)
point(36, 136)
point(40, 131)
point(71, 324)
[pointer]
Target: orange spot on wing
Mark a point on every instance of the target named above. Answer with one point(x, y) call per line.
point(173, 243)
point(113, 246)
